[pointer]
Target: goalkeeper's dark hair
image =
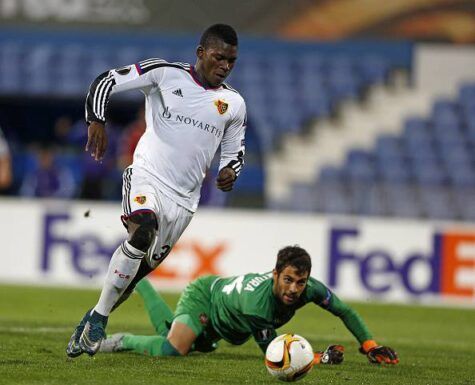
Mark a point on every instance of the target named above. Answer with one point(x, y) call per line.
point(222, 32)
point(293, 256)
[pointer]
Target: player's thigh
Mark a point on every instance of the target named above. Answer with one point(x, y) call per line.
point(138, 194)
point(172, 221)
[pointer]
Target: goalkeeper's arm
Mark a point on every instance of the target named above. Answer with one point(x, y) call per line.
point(354, 323)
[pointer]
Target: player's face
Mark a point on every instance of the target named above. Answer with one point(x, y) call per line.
point(289, 285)
point(216, 62)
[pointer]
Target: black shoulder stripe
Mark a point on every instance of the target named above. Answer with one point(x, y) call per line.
point(228, 87)
point(152, 65)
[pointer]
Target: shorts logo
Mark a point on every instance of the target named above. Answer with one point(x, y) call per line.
point(221, 106)
point(203, 319)
point(123, 70)
point(140, 199)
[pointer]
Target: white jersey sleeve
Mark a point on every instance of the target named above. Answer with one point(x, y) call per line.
point(233, 145)
point(145, 76)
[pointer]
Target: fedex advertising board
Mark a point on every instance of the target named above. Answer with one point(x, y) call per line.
point(70, 243)
point(402, 261)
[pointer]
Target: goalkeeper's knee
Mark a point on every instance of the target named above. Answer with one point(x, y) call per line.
point(162, 348)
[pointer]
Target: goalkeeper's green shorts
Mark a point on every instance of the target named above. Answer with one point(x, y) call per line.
point(194, 305)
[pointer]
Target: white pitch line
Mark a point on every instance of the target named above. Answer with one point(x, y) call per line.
point(15, 329)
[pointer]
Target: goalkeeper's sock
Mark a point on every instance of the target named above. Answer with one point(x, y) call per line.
point(123, 266)
point(158, 311)
point(155, 346)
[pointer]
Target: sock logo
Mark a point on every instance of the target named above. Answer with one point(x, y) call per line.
point(121, 275)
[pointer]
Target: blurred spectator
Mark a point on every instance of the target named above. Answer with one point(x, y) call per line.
point(101, 180)
point(5, 164)
point(129, 139)
point(70, 135)
point(48, 179)
point(98, 180)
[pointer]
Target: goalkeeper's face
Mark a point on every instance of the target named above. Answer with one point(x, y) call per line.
point(289, 285)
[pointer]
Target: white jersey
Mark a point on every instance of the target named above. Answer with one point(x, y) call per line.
point(186, 123)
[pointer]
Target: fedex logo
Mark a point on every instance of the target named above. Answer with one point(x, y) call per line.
point(86, 254)
point(448, 268)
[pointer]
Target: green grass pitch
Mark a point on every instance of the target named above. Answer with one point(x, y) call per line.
point(436, 345)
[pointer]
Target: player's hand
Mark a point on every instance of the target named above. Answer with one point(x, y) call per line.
point(333, 355)
point(380, 354)
point(96, 140)
point(225, 179)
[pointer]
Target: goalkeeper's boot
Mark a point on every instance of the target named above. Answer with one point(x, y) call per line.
point(113, 343)
point(93, 333)
point(73, 349)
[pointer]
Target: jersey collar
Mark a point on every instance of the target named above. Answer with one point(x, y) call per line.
point(197, 80)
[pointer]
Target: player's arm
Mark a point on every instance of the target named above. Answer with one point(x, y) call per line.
point(144, 76)
point(232, 151)
point(355, 324)
point(263, 337)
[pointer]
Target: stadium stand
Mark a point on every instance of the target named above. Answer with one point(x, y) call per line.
point(286, 85)
point(426, 171)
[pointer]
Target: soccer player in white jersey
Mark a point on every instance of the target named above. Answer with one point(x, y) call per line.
point(189, 112)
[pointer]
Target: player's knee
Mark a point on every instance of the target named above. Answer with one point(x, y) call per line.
point(143, 235)
point(170, 350)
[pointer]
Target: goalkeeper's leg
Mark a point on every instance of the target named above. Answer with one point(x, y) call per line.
point(158, 311)
point(155, 346)
point(179, 341)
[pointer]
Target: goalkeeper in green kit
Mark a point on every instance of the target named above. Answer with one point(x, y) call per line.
point(235, 308)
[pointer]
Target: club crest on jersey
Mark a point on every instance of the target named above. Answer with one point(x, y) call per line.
point(204, 319)
point(140, 199)
point(221, 106)
point(123, 70)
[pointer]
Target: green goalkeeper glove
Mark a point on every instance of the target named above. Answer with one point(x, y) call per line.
point(378, 354)
point(333, 355)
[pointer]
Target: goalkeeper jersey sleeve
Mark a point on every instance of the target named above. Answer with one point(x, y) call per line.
point(326, 299)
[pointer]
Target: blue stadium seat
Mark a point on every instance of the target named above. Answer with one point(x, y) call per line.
point(414, 125)
point(333, 198)
point(429, 173)
point(393, 172)
point(461, 177)
point(436, 203)
point(373, 69)
point(330, 174)
point(402, 200)
point(388, 146)
point(359, 156)
point(421, 150)
point(251, 179)
point(464, 202)
point(304, 197)
point(466, 93)
point(366, 198)
point(444, 106)
point(11, 78)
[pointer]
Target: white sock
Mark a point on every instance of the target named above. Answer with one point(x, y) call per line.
point(123, 266)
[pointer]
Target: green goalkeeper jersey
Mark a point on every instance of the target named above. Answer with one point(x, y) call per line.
point(245, 306)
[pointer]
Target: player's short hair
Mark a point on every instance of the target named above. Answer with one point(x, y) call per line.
point(293, 256)
point(222, 32)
